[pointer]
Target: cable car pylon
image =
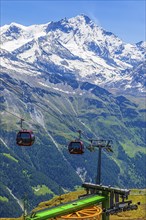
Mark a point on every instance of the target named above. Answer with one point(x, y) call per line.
point(100, 144)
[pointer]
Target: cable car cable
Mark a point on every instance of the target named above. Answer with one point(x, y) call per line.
point(12, 114)
point(19, 135)
point(11, 87)
point(31, 100)
point(17, 116)
point(58, 118)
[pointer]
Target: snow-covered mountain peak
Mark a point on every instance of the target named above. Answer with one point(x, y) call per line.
point(11, 26)
point(15, 35)
point(80, 19)
point(14, 24)
point(12, 31)
point(77, 46)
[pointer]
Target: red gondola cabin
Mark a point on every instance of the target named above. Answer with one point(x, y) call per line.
point(76, 147)
point(25, 138)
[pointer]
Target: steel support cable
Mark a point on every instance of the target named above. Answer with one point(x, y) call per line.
point(13, 114)
point(22, 119)
point(34, 102)
point(75, 113)
point(19, 94)
point(83, 133)
point(58, 118)
point(11, 87)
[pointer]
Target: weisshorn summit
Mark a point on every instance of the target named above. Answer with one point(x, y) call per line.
point(62, 77)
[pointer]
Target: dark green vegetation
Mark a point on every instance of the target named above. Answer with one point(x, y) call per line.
point(47, 169)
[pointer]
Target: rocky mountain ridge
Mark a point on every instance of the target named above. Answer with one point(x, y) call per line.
point(81, 49)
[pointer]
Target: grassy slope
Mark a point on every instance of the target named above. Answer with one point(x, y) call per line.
point(136, 196)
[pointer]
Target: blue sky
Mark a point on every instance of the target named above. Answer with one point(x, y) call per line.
point(124, 18)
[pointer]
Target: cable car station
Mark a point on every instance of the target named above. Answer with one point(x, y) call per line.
point(99, 202)
point(112, 204)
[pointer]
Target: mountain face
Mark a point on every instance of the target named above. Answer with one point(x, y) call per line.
point(79, 47)
point(59, 77)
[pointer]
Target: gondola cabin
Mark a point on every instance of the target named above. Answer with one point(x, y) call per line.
point(25, 138)
point(76, 147)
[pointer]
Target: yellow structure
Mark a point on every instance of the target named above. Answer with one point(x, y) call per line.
point(93, 213)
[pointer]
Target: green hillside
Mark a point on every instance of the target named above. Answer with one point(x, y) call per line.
point(47, 169)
